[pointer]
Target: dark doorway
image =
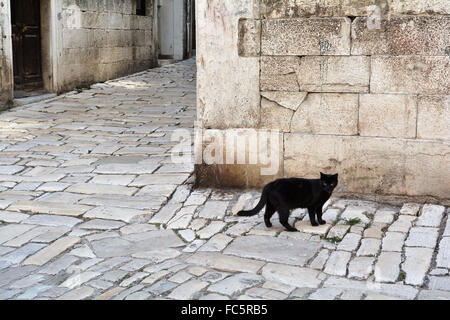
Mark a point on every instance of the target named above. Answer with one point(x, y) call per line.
point(26, 40)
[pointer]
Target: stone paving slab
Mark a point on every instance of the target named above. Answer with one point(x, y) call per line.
point(285, 251)
point(92, 207)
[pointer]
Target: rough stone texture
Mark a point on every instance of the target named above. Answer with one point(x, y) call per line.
point(306, 227)
point(403, 224)
point(334, 74)
point(249, 44)
point(337, 263)
point(279, 73)
point(434, 295)
point(387, 268)
point(286, 251)
point(290, 275)
point(328, 36)
point(443, 257)
point(305, 8)
point(46, 254)
point(410, 74)
point(338, 231)
point(113, 213)
point(411, 209)
point(350, 242)
point(393, 241)
point(413, 35)
point(186, 291)
point(416, 265)
point(210, 230)
point(387, 115)
point(399, 173)
point(289, 100)
point(435, 110)
point(369, 247)
point(439, 283)
point(422, 237)
point(327, 113)
point(216, 243)
point(325, 294)
point(353, 212)
point(430, 216)
point(320, 260)
point(214, 210)
point(384, 216)
point(360, 267)
point(219, 90)
point(225, 262)
point(375, 230)
point(236, 284)
point(275, 117)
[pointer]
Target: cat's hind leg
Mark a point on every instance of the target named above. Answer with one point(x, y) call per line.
point(312, 216)
point(284, 219)
point(319, 215)
point(270, 210)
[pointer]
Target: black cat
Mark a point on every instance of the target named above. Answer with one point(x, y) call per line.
point(283, 195)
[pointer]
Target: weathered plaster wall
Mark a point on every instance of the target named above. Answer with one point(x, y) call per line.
point(5, 57)
point(102, 40)
point(359, 87)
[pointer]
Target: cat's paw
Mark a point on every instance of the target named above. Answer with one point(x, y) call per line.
point(268, 224)
point(292, 229)
point(314, 224)
point(322, 222)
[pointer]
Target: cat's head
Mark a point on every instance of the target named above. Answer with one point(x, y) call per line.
point(328, 181)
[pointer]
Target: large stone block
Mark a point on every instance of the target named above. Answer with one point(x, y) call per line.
point(388, 115)
point(327, 113)
point(290, 100)
point(249, 37)
point(274, 116)
point(334, 74)
point(299, 37)
point(410, 74)
point(223, 100)
point(271, 9)
point(419, 7)
point(372, 166)
point(321, 8)
point(413, 35)
point(433, 118)
point(286, 251)
point(427, 168)
point(279, 73)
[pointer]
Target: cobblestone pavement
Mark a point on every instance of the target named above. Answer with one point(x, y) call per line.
point(91, 207)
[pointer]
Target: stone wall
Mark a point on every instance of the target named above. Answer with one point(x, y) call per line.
point(103, 40)
point(5, 62)
point(355, 87)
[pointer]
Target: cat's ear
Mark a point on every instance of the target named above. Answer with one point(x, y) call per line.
point(336, 175)
point(322, 175)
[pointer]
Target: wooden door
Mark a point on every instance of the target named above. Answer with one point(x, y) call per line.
point(25, 18)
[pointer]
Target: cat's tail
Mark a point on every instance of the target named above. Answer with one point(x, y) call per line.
point(259, 206)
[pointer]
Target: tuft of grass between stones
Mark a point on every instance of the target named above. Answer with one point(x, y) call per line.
point(333, 240)
point(353, 221)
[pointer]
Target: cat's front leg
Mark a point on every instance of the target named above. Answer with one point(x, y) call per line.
point(312, 216)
